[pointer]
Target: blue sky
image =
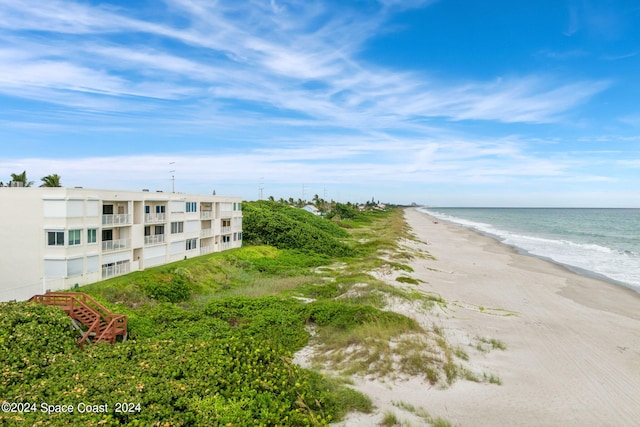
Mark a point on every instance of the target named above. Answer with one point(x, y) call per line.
point(445, 103)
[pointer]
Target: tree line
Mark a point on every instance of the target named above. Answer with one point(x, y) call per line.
point(21, 180)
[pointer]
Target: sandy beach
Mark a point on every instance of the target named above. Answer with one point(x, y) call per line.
point(572, 355)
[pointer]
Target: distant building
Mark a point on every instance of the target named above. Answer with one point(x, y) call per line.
point(55, 238)
point(312, 209)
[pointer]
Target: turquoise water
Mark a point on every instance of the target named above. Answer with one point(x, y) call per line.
point(599, 242)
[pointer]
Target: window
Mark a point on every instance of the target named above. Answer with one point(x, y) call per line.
point(226, 239)
point(107, 235)
point(147, 230)
point(160, 209)
point(159, 229)
point(92, 235)
point(74, 237)
point(191, 244)
point(177, 227)
point(192, 207)
point(147, 209)
point(226, 223)
point(55, 238)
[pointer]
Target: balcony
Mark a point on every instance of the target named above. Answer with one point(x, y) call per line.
point(119, 219)
point(155, 217)
point(206, 215)
point(206, 232)
point(114, 245)
point(116, 270)
point(225, 245)
point(225, 229)
point(155, 239)
point(226, 214)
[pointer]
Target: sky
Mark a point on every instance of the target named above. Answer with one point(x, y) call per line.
point(435, 102)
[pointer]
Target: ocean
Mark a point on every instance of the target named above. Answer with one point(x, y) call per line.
point(603, 243)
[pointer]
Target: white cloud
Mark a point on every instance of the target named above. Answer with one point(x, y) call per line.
point(259, 57)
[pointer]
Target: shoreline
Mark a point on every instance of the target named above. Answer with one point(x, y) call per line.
point(577, 270)
point(572, 342)
point(626, 287)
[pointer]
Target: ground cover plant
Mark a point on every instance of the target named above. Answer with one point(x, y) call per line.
point(212, 338)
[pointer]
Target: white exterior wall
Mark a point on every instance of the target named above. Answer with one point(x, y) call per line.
point(30, 266)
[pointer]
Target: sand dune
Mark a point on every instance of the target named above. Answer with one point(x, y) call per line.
point(572, 354)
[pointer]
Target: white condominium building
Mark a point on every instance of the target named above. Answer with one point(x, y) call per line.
point(55, 238)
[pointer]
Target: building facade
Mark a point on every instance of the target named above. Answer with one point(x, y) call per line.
point(56, 238)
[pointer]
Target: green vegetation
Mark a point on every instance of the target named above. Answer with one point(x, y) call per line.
point(409, 280)
point(52, 180)
point(212, 338)
point(282, 226)
point(422, 413)
point(494, 343)
point(389, 420)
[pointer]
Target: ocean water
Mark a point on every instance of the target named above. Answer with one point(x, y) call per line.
point(603, 243)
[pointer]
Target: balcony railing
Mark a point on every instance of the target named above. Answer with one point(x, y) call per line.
point(225, 229)
point(205, 232)
point(155, 217)
point(116, 270)
point(225, 245)
point(115, 245)
point(206, 214)
point(207, 249)
point(226, 214)
point(154, 239)
point(118, 219)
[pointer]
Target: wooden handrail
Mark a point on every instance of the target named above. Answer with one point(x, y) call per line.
point(95, 328)
point(112, 328)
point(104, 312)
point(116, 324)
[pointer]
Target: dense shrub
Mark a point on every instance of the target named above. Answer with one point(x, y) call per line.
point(285, 227)
point(239, 375)
point(171, 289)
point(280, 321)
point(32, 336)
point(273, 261)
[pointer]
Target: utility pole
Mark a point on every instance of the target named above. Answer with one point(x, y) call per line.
point(261, 188)
point(173, 178)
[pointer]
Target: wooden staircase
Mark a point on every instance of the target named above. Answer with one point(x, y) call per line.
point(96, 322)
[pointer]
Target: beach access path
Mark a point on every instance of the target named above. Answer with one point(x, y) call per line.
point(572, 355)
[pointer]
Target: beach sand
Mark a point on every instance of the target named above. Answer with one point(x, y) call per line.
point(572, 355)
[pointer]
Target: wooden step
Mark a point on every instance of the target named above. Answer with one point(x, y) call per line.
point(85, 311)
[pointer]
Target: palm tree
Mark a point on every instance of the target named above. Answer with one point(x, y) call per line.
point(51, 181)
point(21, 177)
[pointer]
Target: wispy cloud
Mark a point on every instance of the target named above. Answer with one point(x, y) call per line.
point(278, 60)
point(457, 161)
